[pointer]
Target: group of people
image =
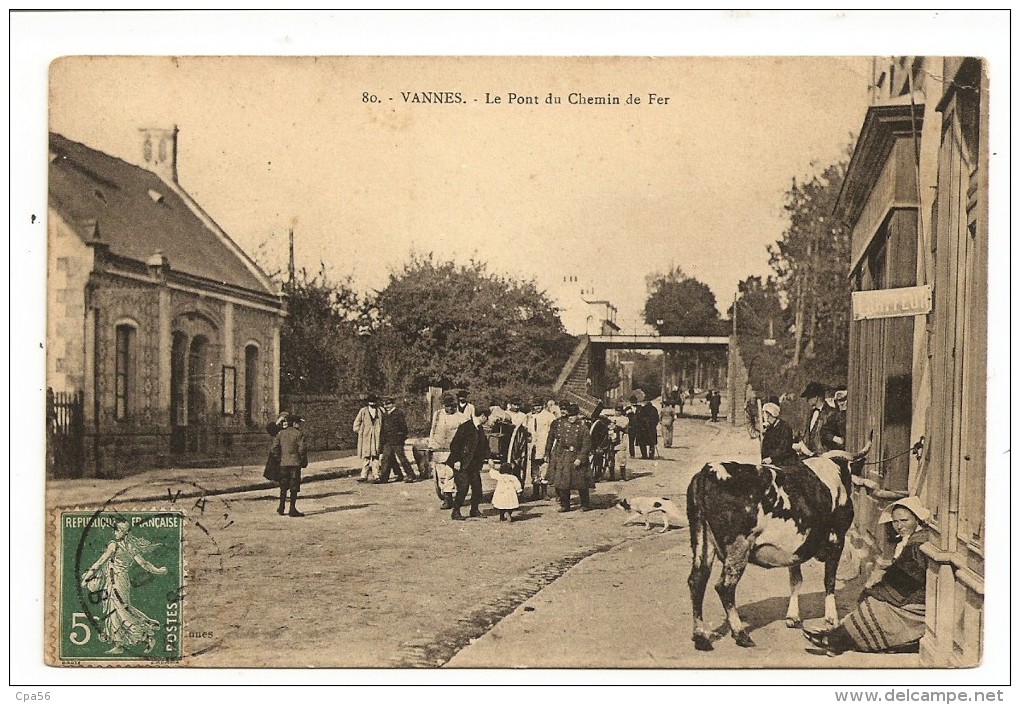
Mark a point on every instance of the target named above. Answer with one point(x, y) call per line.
point(382, 434)
point(890, 615)
point(824, 428)
point(559, 447)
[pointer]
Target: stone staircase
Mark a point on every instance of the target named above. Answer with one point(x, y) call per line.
point(572, 384)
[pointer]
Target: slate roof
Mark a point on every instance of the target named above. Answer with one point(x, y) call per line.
point(87, 186)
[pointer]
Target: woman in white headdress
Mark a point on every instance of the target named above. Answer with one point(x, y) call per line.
point(890, 616)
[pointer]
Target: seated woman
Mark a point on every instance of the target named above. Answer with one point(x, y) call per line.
point(890, 616)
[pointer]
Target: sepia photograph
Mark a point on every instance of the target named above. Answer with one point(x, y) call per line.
point(675, 364)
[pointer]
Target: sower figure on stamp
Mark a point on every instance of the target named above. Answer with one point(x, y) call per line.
point(289, 446)
point(123, 623)
point(469, 450)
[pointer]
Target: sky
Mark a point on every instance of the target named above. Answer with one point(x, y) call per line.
point(611, 194)
point(606, 193)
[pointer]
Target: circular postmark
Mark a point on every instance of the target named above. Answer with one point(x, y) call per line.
point(136, 577)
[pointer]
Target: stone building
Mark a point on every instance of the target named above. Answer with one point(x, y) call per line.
point(163, 336)
point(916, 197)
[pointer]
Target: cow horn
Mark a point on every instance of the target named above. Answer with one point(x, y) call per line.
point(867, 446)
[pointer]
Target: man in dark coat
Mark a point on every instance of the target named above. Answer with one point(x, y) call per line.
point(290, 449)
point(469, 450)
point(777, 440)
point(392, 440)
point(649, 429)
point(714, 402)
point(573, 470)
point(833, 433)
point(817, 416)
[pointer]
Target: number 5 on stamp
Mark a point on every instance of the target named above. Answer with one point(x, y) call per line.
point(121, 579)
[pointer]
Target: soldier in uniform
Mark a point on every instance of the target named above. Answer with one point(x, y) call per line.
point(572, 466)
point(552, 445)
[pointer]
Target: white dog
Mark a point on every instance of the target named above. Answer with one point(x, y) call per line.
point(642, 508)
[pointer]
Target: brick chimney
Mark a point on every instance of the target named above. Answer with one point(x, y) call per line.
point(159, 151)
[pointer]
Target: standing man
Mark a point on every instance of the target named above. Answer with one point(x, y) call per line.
point(634, 423)
point(649, 429)
point(817, 416)
point(469, 450)
point(833, 433)
point(368, 426)
point(619, 430)
point(445, 423)
point(514, 413)
point(289, 446)
point(714, 402)
point(465, 408)
point(573, 471)
point(394, 436)
point(539, 424)
point(666, 418)
point(777, 438)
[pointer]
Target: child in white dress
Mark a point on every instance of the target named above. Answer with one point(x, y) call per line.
point(504, 498)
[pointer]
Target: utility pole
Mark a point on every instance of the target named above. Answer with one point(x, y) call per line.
point(290, 264)
point(731, 366)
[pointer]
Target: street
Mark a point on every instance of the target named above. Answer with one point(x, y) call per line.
point(378, 576)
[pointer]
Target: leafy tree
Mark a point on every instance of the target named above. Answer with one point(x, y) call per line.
point(763, 334)
point(681, 305)
point(462, 326)
point(323, 349)
point(811, 263)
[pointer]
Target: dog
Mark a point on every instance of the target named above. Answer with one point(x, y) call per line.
point(645, 507)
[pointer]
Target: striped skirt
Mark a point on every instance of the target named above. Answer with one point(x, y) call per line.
point(878, 626)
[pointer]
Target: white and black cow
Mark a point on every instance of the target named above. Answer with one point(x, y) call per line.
point(771, 517)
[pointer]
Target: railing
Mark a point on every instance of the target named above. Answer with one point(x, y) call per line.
point(65, 433)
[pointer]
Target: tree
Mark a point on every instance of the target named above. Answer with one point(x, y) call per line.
point(322, 340)
point(461, 326)
point(681, 305)
point(763, 333)
point(811, 262)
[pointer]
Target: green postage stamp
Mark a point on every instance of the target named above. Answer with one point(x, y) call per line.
point(120, 581)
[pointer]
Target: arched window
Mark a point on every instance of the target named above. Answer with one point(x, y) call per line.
point(123, 368)
point(251, 384)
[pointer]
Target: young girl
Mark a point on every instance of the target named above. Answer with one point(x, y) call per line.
point(504, 498)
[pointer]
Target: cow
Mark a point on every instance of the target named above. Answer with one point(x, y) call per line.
point(772, 517)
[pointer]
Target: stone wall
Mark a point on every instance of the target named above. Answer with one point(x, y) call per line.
point(329, 419)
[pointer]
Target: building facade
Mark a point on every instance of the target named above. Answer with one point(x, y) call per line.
point(162, 330)
point(916, 197)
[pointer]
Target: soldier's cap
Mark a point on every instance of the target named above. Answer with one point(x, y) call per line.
point(462, 394)
point(813, 389)
point(371, 399)
point(388, 400)
point(840, 395)
point(482, 409)
point(771, 409)
point(573, 410)
point(515, 400)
